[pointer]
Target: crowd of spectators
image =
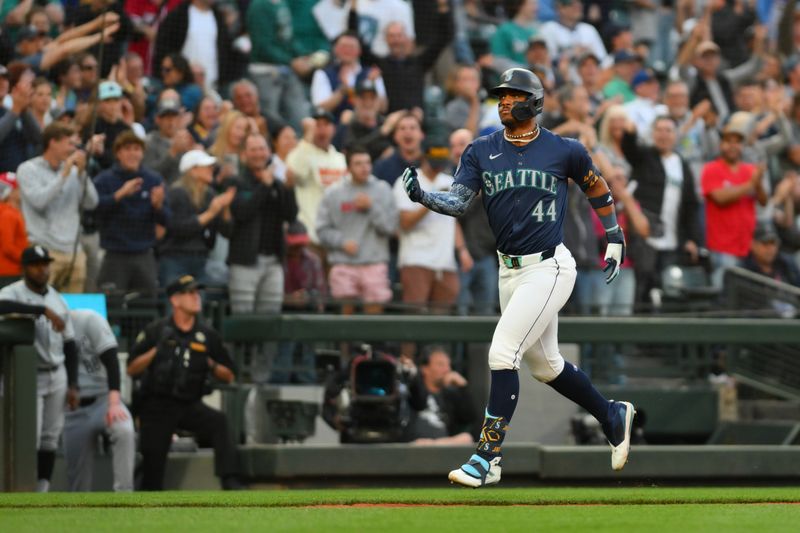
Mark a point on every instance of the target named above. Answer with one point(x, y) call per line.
point(144, 139)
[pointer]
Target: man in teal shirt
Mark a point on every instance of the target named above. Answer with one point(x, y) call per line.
point(626, 65)
point(276, 60)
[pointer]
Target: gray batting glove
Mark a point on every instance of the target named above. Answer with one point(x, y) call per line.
point(411, 184)
point(615, 254)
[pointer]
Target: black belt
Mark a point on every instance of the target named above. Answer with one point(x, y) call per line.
point(47, 368)
point(89, 400)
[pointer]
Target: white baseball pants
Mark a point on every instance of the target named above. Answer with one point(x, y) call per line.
point(530, 299)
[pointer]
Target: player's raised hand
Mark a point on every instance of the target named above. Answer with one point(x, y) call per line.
point(411, 184)
point(615, 254)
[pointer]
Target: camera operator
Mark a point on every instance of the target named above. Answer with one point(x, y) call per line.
point(174, 357)
point(448, 417)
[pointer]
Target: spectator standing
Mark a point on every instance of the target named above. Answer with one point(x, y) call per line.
point(276, 62)
point(109, 123)
point(569, 34)
point(197, 216)
point(367, 127)
point(305, 291)
point(333, 87)
point(479, 293)
point(197, 30)
point(428, 240)
point(165, 145)
point(245, 97)
point(100, 411)
point(665, 190)
point(57, 356)
point(356, 218)
point(313, 166)
point(404, 66)
point(466, 109)
point(408, 137)
point(626, 65)
point(233, 130)
point(131, 204)
point(205, 121)
point(645, 107)
point(512, 37)
point(13, 238)
point(19, 132)
point(731, 189)
point(172, 390)
point(284, 140)
point(260, 208)
point(176, 73)
point(55, 189)
point(370, 18)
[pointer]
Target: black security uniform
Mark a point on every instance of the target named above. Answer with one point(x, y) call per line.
point(171, 394)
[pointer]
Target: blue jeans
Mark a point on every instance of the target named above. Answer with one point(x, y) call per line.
point(479, 292)
point(721, 262)
point(616, 298)
point(281, 93)
point(171, 267)
point(283, 367)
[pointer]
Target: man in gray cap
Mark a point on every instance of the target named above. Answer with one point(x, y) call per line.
point(165, 145)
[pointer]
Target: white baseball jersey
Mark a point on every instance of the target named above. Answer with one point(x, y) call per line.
point(93, 336)
point(49, 344)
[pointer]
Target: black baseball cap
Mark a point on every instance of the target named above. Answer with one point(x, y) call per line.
point(366, 86)
point(436, 152)
point(36, 254)
point(765, 233)
point(321, 113)
point(183, 284)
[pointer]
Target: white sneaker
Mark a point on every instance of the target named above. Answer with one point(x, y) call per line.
point(477, 472)
point(622, 430)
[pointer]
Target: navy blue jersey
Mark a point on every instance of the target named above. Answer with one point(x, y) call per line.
point(524, 187)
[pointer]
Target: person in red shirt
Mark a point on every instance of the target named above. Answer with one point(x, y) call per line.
point(731, 189)
point(13, 238)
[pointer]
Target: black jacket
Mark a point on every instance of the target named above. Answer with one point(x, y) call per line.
point(648, 171)
point(258, 216)
point(403, 77)
point(172, 35)
point(185, 235)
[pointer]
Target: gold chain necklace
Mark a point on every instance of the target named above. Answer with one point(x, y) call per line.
point(520, 137)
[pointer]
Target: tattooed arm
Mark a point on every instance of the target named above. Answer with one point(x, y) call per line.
point(454, 202)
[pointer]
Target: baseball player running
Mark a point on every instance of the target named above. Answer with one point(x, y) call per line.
point(57, 365)
point(522, 172)
point(100, 410)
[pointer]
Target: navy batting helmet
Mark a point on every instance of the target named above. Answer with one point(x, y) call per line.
point(524, 80)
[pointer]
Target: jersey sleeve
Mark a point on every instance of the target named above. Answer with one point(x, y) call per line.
point(582, 171)
point(100, 334)
point(468, 172)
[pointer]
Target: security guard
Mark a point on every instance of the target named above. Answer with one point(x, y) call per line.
point(173, 357)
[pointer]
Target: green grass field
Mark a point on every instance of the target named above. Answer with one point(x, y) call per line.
point(498, 510)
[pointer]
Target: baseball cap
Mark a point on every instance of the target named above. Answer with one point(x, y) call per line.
point(28, 32)
point(366, 86)
point(321, 113)
point(195, 158)
point(296, 234)
point(168, 106)
point(108, 90)
point(183, 284)
point(581, 59)
point(615, 29)
point(706, 47)
point(643, 76)
point(36, 254)
point(8, 182)
point(765, 233)
point(436, 152)
point(625, 56)
point(738, 124)
point(537, 39)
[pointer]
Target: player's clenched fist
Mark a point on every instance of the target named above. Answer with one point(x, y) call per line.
point(615, 253)
point(411, 184)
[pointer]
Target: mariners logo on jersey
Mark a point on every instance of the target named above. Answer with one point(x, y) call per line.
point(525, 187)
